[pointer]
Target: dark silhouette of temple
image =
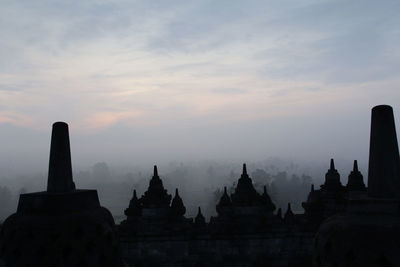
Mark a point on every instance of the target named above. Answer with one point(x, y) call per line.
point(154, 213)
point(244, 233)
point(245, 210)
point(367, 232)
point(342, 225)
point(62, 226)
point(332, 197)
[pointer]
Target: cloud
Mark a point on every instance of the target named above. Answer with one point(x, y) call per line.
point(14, 118)
point(100, 63)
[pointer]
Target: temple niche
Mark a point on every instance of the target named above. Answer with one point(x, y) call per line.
point(62, 226)
point(342, 225)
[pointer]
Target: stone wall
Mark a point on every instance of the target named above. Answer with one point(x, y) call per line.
point(278, 248)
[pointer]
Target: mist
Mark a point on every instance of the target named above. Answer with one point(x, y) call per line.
point(200, 183)
point(287, 156)
point(193, 87)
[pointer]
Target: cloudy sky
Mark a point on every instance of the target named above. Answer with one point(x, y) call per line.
point(142, 81)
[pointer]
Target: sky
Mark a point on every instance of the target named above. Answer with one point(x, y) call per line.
point(150, 81)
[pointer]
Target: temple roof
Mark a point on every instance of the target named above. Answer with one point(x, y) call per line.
point(314, 195)
point(245, 194)
point(289, 215)
point(225, 200)
point(355, 180)
point(332, 179)
point(177, 207)
point(199, 219)
point(156, 195)
point(267, 200)
point(134, 209)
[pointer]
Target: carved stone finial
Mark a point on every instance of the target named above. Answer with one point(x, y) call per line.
point(355, 166)
point(155, 172)
point(199, 220)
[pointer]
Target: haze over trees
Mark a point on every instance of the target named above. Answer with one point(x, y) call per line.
point(199, 183)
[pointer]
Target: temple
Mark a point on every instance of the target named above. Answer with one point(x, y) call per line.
point(342, 225)
point(245, 210)
point(154, 212)
point(332, 197)
point(371, 221)
point(168, 238)
point(355, 182)
point(62, 226)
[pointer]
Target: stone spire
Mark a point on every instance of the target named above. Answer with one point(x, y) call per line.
point(155, 171)
point(384, 162)
point(267, 200)
point(355, 181)
point(289, 215)
point(199, 220)
point(244, 172)
point(134, 209)
point(225, 204)
point(225, 200)
point(60, 170)
point(177, 207)
point(156, 195)
point(314, 205)
point(355, 166)
point(61, 219)
point(332, 178)
point(245, 194)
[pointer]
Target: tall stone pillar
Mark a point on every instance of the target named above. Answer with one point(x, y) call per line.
point(60, 170)
point(384, 162)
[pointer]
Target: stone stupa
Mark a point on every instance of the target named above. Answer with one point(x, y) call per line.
point(62, 226)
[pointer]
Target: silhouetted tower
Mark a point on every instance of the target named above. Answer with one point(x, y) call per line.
point(332, 179)
point(156, 195)
point(245, 211)
point(245, 194)
point(177, 207)
point(266, 200)
point(289, 215)
point(364, 234)
point(224, 205)
point(61, 226)
point(135, 208)
point(355, 181)
point(199, 220)
point(314, 206)
point(158, 214)
point(60, 169)
point(384, 162)
point(327, 201)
